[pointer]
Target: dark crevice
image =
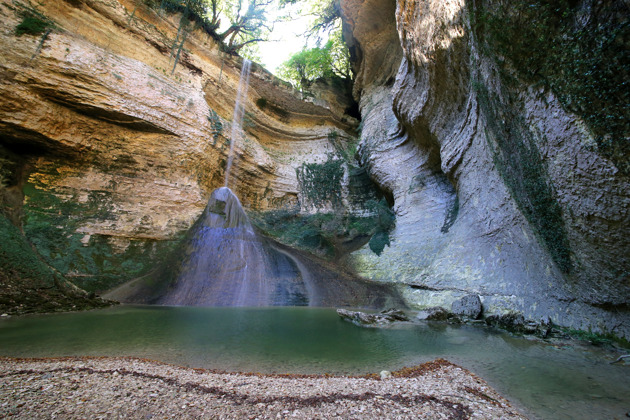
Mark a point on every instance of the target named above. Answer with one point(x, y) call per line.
point(113, 117)
point(26, 142)
point(353, 110)
point(451, 214)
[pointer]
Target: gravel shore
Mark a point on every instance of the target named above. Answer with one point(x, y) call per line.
point(99, 388)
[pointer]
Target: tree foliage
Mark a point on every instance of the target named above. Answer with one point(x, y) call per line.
point(236, 24)
point(239, 25)
point(248, 23)
point(330, 61)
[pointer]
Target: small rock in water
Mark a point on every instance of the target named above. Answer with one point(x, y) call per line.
point(436, 313)
point(544, 328)
point(395, 314)
point(386, 374)
point(365, 319)
point(511, 321)
point(468, 306)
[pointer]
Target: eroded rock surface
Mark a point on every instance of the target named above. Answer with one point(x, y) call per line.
point(499, 190)
point(121, 148)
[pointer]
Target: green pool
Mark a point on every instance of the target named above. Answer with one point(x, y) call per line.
point(546, 380)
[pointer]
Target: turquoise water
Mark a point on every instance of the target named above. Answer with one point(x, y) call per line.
point(546, 380)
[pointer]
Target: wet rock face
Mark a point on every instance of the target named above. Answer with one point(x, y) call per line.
point(224, 211)
point(498, 187)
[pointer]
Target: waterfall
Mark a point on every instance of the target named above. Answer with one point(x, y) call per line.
point(239, 114)
point(227, 264)
point(224, 262)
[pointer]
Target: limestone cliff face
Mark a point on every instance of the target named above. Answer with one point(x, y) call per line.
point(120, 152)
point(507, 180)
point(500, 188)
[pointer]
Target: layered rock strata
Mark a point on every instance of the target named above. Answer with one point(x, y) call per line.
point(121, 144)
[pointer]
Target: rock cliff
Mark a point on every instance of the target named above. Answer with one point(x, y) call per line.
point(502, 152)
point(506, 184)
point(119, 145)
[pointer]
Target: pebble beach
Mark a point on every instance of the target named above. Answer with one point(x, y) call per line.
point(105, 388)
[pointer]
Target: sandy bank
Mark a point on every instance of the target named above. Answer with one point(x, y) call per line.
point(133, 388)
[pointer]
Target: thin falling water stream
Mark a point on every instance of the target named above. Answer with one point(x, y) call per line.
point(238, 116)
point(228, 264)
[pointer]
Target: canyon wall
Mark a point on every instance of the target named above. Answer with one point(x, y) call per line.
point(502, 186)
point(111, 147)
point(503, 153)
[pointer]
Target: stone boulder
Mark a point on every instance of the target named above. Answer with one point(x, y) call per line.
point(436, 313)
point(364, 319)
point(468, 306)
point(516, 322)
point(511, 321)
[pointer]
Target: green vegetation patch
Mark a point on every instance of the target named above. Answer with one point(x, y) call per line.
point(345, 148)
point(578, 53)
point(33, 23)
point(337, 231)
point(320, 183)
point(51, 225)
point(216, 124)
point(328, 234)
point(17, 256)
point(330, 62)
point(28, 284)
point(596, 339)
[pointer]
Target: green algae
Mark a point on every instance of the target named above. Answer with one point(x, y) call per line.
point(578, 53)
point(521, 167)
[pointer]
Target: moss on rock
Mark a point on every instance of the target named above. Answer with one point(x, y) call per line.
point(329, 234)
point(320, 183)
point(94, 263)
point(28, 284)
point(580, 52)
point(516, 158)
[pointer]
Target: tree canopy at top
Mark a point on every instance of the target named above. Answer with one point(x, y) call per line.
point(236, 24)
point(328, 61)
point(329, 57)
point(239, 25)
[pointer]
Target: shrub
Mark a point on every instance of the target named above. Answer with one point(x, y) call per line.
point(32, 25)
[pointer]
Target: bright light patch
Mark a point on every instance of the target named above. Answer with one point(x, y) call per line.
point(287, 38)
